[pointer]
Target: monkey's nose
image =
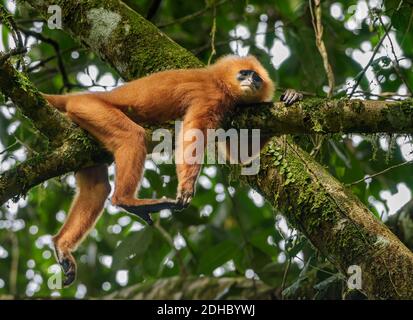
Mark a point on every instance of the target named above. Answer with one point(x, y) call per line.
point(246, 82)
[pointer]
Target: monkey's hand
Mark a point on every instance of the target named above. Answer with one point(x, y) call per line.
point(68, 265)
point(183, 199)
point(291, 96)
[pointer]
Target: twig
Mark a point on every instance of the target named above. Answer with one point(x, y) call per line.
point(318, 29)
point(192, 15)
point(14, 263)
point(9, 147)
point(168, 238)
point(395, 63)
point(56, 47)
point(284, 280)
point(213, 32)
point(153, 9)
point(361, 74)
point(25, 145)
point(384, 95)
point(199, 50)
point(13, 52)
point(7, 19)
point(43, 62)
point(23, 21)
point(408, 28)
point(381, 172)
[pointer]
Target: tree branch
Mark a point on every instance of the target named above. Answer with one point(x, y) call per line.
point(334, 220)
point(46, 119)
point(314, 116)
point(209, 288)
point(71, 156)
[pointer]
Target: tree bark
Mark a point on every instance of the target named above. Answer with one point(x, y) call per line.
point(336, 222)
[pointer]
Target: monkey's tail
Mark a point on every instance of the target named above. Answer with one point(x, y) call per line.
point(58, 101)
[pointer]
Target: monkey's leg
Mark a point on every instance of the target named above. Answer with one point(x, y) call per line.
point(93, 189)
point(129, 163)
point(126, 140)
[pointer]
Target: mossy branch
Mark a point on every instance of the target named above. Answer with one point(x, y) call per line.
point(314, 116)
point(70, 156)
point(335, 221)
point(47, 120)
point(208, 288)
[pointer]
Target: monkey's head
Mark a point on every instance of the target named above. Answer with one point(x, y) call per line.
point(246, 78)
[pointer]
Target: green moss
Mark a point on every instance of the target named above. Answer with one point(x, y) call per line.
point(301, 200)
point(398, 115)
point(313, 114)
point(308, 205)
point(356, 106)
point(405, 105)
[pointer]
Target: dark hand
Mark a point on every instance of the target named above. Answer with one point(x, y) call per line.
point(290, 96)
point(183, 199)
point(68, 265)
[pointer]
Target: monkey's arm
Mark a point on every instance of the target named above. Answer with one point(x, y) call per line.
point(190, 150)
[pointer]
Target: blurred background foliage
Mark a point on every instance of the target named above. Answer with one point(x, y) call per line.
point(229, 230)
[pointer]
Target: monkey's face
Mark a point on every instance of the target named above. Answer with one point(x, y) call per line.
point(249, 81)
point(245, 77)
point(250, 84)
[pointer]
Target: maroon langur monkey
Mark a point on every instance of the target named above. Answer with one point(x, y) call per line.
point(202, 97)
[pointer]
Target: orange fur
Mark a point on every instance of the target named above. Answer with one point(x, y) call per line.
point(201, 96)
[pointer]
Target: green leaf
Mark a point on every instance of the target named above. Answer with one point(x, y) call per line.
point(216, 256)
point(135, 244)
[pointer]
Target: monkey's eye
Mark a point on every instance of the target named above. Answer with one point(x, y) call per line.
point(256, 78)
point(244, 72)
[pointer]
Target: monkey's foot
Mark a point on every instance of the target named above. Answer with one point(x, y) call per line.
point(68, 265)
point(149, 206)
point(183, 199)
point(290, 96)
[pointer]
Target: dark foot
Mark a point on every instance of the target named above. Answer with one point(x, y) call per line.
point(290, 96)
point(142, 211)
point(183, 199)
point(68, 265)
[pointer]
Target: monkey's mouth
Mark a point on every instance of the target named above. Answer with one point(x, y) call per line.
point(248, 87)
